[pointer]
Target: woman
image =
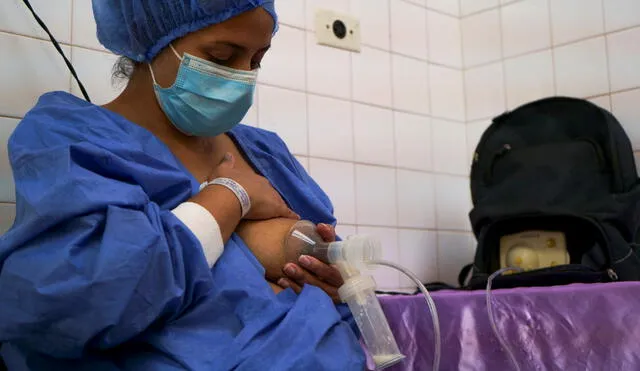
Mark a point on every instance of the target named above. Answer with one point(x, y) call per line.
point(145, 228)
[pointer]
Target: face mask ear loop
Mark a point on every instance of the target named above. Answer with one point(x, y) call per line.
point(175, 52)
point(153, 76)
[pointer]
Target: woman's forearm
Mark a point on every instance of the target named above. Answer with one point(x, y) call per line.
point(223, 205)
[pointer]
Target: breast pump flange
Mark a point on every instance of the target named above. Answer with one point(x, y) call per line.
point(358, 291)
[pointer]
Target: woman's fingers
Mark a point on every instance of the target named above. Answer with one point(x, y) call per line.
point(323, 271)
point(301, 277)
point(286, 284)
point(327, 232)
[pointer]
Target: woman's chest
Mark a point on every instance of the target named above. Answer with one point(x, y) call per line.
point(201, 160)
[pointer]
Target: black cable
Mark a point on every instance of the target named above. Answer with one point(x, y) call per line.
point(58, 48)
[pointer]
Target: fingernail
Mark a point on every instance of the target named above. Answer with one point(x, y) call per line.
point(290, 270)
point(304, 260)
point(283, 283)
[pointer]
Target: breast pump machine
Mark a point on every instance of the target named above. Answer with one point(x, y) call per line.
point(350, 256)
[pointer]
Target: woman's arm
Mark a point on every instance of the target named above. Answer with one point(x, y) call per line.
point(92, 261)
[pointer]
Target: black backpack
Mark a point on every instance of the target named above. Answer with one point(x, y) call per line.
point(557, 164)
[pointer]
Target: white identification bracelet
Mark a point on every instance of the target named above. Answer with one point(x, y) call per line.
point(236, 188)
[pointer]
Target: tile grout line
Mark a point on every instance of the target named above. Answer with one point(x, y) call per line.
point(589, 97)
point(296, 28)
point(606, 52)
point(376, 105)
point(538, 50)
point(306, 88)
point(505, 86)
point(552, 49)
point(393, 126)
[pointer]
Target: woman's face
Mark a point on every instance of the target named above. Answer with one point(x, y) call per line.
point(238, 43)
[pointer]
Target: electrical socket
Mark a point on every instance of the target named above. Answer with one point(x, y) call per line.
point(338, 30)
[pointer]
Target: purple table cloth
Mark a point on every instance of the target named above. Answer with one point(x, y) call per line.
point(575, 327)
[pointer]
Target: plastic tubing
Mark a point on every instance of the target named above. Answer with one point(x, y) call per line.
point(432, 306)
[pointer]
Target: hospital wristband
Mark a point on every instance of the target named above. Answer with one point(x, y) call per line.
point(236, 188)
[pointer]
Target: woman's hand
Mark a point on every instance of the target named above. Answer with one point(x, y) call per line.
point(266, 203)
point(313, 272)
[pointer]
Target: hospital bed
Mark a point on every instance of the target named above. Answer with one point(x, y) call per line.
point(575, 327)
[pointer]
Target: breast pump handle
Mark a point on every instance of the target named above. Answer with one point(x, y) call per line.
point(358, 291)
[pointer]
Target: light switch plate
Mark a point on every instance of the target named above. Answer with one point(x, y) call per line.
point(338, 30)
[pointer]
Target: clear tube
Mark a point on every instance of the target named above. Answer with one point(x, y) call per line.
point(492, 320)
point(432, 307)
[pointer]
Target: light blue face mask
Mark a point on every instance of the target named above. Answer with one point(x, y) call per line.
point(206, 99)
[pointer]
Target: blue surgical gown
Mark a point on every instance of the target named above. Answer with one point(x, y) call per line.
point(98, 274)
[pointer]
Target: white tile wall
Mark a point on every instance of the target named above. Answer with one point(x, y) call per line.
point(16, 18)
point(447, 93)
point(444, 39)
point(625, 106)
point(372, 77)
point(287, 49)
point(374, 21)
point(84, 25)
point(35, 67)
point(418, 251)
point(624, 59)
point(445, 6)
point(330, 128)
point(285, 112)
point(455, 250)
point(337, 180)
point(376, 196)
point(385, 127)
point(602, 101)
point(374, 135)
point(581, 68)
point(453, 202)
point(484, 88)
point(576, 19)
point(7, 189)
point(291, 12)
point(529, 77)
point(410, 84)
point(449, 147)
point(409, 29)
point(413, 138)
point(525, 27)
point(386, 278)
point(619, 14)
point(94, 69)
point(328, 70)
point(416, 200)
point(474, 6)
point(481, 38)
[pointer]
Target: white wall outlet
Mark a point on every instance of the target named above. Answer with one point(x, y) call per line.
point(338, 30)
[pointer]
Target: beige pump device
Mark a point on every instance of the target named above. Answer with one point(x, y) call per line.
point(533, 250)
point(358, 290)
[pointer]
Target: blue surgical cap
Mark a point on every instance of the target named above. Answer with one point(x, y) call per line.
point(140, 29)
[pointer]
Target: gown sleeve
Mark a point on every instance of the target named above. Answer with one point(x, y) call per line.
point(93, 260)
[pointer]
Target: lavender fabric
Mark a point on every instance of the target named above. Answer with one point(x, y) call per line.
point(575, 327)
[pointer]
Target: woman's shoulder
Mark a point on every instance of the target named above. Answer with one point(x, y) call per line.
point(60, 118)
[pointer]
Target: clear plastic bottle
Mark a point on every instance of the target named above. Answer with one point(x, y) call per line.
point(358, 290)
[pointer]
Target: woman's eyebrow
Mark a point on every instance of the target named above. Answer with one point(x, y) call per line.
point(237, 46)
